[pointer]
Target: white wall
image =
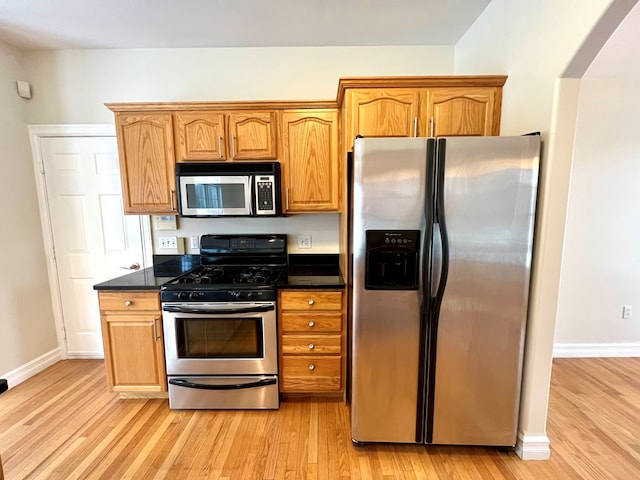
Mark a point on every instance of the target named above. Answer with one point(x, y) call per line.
point(26, 322)
point(71, 86)
point(323, 228)
point(601, 259)
point(533, 43)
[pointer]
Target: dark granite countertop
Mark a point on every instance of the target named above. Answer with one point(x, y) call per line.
point(304, 271)
point(165, 268)
point(313, 271)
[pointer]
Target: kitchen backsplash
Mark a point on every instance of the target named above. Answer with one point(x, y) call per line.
point(321, 227)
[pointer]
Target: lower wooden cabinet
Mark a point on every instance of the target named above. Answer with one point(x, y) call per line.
point(312, 349)
point(132, 337)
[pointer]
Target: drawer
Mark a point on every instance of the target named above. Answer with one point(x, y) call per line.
point(311, 344)
point(129, 301)
point(311, 300)
point(311, 322)
point(298, 376)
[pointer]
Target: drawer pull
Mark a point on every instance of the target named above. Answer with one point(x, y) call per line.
point(311, 302)
point(312, 323)
point(311, 346)
point(128, 303)
point(312, 367)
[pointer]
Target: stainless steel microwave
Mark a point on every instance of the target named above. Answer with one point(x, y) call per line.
point(241, 189)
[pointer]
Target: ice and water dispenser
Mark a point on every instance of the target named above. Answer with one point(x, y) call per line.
point(392, 259)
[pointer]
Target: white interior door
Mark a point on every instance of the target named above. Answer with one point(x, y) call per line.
point(92, 239)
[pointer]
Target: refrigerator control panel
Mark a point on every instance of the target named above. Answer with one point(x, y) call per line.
point(392, 259)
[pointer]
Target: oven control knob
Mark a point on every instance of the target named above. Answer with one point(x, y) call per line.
point(251, 295)
point(241, 295)
point(194, 296)
point(183, 296)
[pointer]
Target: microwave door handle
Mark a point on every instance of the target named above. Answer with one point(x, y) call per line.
point(215, 311)
point(253, 197)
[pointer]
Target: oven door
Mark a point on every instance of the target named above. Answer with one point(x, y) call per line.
point(220, 338)
point(205, 196)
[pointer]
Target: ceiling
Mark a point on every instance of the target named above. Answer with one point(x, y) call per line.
point(79, 24)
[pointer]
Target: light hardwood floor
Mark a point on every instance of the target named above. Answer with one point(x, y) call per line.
point(65, 424)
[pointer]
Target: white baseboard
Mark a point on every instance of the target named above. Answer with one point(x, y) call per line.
point(533, 447)
point(85, 356)
point(28, 370)
point(577, 350)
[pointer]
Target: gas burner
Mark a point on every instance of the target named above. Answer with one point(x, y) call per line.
point(254, 275)
point(203, 275)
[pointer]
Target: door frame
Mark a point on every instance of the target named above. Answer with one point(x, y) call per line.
point(36, 133)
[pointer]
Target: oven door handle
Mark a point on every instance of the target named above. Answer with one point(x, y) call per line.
point(181, 382)
point(213, 311)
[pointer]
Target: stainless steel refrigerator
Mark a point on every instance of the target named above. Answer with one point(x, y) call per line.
point(441, 238)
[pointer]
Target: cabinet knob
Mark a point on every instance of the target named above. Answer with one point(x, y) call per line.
point(311, 302)
point(128, 303)
point(312, 323)
point(312, 367)
point(311, 346)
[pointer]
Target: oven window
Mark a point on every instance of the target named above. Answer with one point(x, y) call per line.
point(211, 195)
point(220, 338)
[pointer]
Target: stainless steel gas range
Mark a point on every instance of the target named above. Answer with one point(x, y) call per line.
point(219, 323)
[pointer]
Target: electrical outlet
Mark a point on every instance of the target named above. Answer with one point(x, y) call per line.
point(626, 311)
point(195, 243)
point(304, 241)
point(168, 242)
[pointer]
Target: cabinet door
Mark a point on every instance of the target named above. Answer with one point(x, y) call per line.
point(310, 156)
point(145, 146)
point(385, 112)
point(134, 352)
point(199, 136)
point(252, 135)
point(457, 111)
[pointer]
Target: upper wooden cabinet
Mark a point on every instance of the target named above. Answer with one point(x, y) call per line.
point(145, 147)
point(310, 138)
point(199, 136)
point(310, 160)
point(384, 112)
point(212, 135)
point(420, 106)
point(457, 111)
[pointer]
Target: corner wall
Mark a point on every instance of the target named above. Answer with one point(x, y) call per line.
point(601, 258)
point(27, 330)
point(533, 43)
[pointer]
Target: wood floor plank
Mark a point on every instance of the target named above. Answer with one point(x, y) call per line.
point(65, 424)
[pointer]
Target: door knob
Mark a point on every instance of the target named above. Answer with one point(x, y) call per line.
point(133, 266)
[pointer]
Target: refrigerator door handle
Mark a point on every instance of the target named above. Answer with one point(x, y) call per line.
point(442, 225)
point(436, 259)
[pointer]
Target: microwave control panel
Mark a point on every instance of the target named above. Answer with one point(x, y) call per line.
point(265, 195)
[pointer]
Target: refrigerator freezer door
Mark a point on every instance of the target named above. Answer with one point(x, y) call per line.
point(490, 186)
point(388, 196)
